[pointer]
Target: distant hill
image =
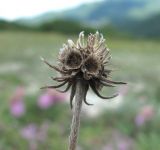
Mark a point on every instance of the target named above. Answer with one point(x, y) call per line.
point(107, 11)
point(137, 17)
point(149, 27)
point(6, 25)
point(64, 26)
point(60, 26)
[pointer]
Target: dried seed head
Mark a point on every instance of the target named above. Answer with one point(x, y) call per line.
point(91, 67)
point(73, 60)
point(91, 64)
point(87, 58)
point(87, 61)
point(69, 57)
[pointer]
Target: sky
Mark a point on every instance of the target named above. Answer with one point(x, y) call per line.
point(14, 9)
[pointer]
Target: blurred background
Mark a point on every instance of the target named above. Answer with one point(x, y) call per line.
point(34, 119)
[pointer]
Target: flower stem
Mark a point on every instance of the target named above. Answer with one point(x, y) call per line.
point(79, 96)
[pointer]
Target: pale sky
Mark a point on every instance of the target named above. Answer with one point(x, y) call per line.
point(14, 9)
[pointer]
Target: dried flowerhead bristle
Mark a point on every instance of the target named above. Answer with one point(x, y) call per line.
point(85, 61)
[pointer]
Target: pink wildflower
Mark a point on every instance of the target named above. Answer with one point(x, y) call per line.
point(29, 132)
point(119, 141)
point(45, 101)
point(17, 106)
point(32, 132)
point(144, 115)
point(49, 98)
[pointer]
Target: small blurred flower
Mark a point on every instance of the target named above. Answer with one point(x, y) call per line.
point(45, 101)
point(119, 141)
point(17, 106)
point(29, 132)
point(123, 145)
point(139, 120)
point(42, 132)
point(144, 115)
point(49, 98)
point(108, 147)
point(33, 132)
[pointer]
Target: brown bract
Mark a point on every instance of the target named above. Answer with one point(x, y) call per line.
point(85, 61)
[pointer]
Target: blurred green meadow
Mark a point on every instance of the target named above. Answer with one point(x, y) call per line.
point(30, 120)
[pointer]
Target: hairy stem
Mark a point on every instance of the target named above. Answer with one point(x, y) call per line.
point(79, 96)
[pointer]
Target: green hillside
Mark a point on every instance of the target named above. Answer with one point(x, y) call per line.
point(147, 27)
point(118, 11)
point(134, 17)
point(6, 25)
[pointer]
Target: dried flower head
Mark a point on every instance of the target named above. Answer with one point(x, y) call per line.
point(85, 62)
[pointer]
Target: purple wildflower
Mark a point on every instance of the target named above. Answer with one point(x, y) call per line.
point(49, 98)
point(32, 132)
point(45, 101)
point(108, 147)
point(123, 145)
point(145, 114)
point(17, 106)
point(29, 132)
point(139, 120)
point(119, 141)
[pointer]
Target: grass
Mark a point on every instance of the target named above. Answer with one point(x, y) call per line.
point(136, 61)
